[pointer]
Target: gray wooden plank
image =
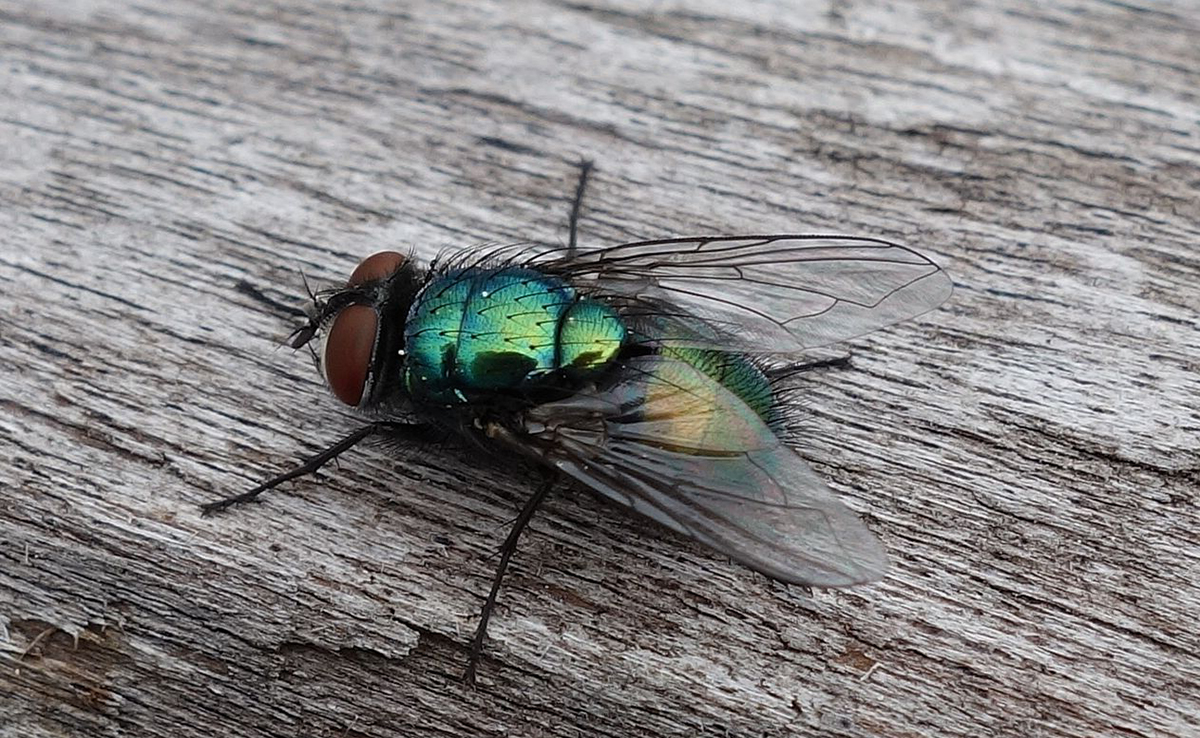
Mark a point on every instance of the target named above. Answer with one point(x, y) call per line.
point(1028, 452)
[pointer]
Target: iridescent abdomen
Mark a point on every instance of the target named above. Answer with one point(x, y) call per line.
point(479, 330)
point(735, 372)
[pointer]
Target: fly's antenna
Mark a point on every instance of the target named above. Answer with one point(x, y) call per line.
point(585, 168)
point(302, 335)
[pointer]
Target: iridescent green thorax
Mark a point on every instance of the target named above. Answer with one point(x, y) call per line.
point(735, 372)
point(590, 334)
point(482, 329)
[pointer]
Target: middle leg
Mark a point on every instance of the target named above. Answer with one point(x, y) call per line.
point(506, 552)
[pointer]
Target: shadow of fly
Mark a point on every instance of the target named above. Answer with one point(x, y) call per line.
point(647, 372)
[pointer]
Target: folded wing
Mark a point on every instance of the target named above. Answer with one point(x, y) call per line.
point(669, 442)
point(776, 294)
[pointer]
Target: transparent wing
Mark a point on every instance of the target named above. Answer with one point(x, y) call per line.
point(764, 293)
point(671, 443)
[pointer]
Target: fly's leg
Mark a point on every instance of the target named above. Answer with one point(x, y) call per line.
point(791, 370)
point(506, 552)
point(585, 168)
point(790, 427)
point(248, 289)
point(406, 431)
point(302, 335)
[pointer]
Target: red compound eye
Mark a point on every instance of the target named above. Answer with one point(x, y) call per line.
point(348, 348)
point(375, 266)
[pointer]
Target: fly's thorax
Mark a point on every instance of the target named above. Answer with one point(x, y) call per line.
point(590, 335)
point(479, 330)
point(359, 344)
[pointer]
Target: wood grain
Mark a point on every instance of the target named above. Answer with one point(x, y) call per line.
point(1028, 453)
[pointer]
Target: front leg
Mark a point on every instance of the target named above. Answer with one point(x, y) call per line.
point(409, 432)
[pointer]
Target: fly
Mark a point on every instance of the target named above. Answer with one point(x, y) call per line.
point(638, 371)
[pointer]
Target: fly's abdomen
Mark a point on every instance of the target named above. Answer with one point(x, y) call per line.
point(482, 330)
point(734, 372)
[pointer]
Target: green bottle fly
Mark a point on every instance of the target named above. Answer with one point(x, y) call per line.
point(634, 370)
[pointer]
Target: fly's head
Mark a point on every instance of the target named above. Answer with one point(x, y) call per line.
point(359, 329)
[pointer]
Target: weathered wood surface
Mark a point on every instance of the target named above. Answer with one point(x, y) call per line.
point(1029, 453)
